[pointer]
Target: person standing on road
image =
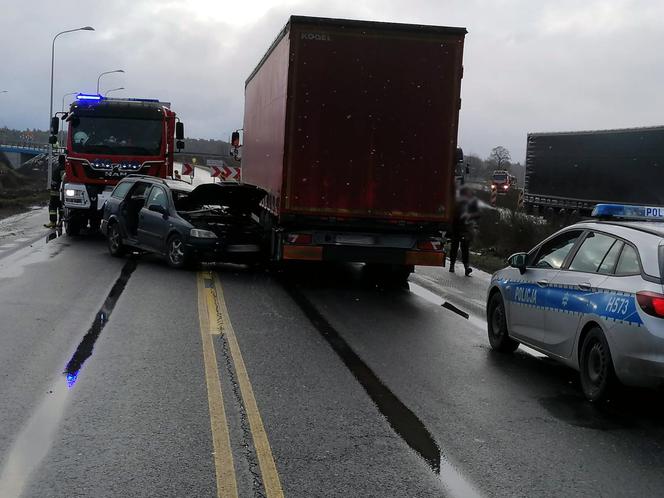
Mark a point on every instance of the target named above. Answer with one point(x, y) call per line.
point(466, 214)
point(54, 202)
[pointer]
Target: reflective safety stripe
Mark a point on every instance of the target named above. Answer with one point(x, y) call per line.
point(609, 304)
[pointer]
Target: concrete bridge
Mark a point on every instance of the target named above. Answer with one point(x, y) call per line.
point(19, 153)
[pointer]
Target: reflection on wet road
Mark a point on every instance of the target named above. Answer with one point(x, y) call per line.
point(375, 391)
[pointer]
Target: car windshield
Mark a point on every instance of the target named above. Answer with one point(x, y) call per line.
point(500, 177)
point(111, 135)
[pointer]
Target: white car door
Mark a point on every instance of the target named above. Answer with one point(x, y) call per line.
point(529, 295)
point(572, 292)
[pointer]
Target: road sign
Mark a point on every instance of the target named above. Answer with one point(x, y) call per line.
point(226, 173)
point(187, 169)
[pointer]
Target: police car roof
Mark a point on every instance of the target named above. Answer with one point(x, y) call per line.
point(651, 227)
point(621, 227)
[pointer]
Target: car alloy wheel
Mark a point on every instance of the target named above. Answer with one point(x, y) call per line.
point(115, 245)
point(596, 366)
point(497, 326)
point(176, 253)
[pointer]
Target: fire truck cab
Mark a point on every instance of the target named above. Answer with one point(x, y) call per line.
point(108, 139)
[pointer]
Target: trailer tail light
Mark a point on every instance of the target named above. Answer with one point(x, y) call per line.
point(651, 302)
point(300, 238)
point(430, 245)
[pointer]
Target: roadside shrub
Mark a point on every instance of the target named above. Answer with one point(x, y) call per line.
point(506, 232)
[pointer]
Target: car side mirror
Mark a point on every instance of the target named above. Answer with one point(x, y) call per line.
point(179, 130)
point(55, 125)
point(518, 261)
point(158, 208)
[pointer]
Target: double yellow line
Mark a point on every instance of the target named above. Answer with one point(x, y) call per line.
point(214, 320)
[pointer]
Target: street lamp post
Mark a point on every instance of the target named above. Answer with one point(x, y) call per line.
point(114, 90)
point(50, 111)
point(62, 109)
point(4, 91)
point(107, 72)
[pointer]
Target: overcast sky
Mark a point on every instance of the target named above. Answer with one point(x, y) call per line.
point(530, 65)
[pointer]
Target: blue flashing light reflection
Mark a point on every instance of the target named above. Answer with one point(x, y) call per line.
point(85, 96)
point(71, 379)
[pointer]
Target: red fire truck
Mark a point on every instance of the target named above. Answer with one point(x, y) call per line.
point(108, 139)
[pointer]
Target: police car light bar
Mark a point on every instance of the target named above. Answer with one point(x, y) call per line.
point(648, 213)
point(86, 96)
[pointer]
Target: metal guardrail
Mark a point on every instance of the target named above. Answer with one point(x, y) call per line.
point(24, 147)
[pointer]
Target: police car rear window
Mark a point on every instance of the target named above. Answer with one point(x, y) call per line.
point(592, 252)
point(611, 258)
point(629, 262)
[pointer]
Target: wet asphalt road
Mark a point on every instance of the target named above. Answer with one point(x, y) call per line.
point(353, 384)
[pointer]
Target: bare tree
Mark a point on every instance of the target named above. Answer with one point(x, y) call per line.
point(501, 157)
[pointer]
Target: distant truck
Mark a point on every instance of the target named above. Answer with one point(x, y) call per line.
point(108, 139)
point(502, 181)
point(574, 171)
point(351, 128)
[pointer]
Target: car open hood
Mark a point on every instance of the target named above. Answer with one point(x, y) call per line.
point(236, 196)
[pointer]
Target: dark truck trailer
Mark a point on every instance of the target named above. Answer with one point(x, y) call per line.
point(351, 128)
point(575, 171)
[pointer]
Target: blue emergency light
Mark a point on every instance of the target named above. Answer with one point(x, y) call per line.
point(623, 211)
point(87, 96)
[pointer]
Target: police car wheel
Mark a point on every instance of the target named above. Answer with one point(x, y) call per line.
point(497, 326)
point(598, 377)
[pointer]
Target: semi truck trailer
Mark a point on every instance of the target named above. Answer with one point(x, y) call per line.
point(574, 171)
point(351, 128)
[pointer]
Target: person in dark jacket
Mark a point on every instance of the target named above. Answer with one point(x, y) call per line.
point(464, 226)
point(54, 202)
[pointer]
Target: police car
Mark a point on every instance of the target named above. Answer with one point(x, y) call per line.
point(590, 296)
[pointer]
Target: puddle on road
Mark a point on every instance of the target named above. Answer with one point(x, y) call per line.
point(400, 417)
point(84, 349)
point(402, 420)
point(34, 441)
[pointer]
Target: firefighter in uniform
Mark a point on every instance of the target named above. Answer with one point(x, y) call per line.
point(54, 202)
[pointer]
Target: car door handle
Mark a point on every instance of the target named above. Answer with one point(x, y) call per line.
point(543, 283)
point(585, 286)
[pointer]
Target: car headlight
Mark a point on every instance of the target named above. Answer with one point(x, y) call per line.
point(70, 192)
point(202, 234)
